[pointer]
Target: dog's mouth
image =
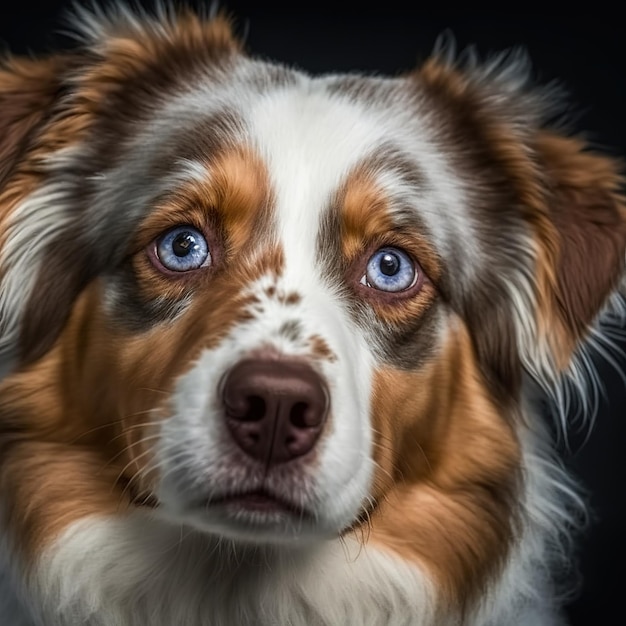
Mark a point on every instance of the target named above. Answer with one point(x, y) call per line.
point(259, 502)
point(251, 511)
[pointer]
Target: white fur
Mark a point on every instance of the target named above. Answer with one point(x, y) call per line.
point(136, 571)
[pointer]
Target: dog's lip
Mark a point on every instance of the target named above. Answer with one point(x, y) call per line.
point(257, 501)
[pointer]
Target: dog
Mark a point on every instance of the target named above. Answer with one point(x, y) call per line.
point(276, 348)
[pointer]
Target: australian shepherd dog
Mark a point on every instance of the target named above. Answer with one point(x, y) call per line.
point(276, 348)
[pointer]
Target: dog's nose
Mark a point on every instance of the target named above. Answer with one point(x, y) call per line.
point(275, 409)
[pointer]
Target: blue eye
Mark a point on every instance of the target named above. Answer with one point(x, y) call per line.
point(390, 269)
point(182, 249)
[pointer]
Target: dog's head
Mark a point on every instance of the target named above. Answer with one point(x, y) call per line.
point(277, 303)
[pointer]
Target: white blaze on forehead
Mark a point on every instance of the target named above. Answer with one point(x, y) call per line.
point(310, 142)
point(312, 139)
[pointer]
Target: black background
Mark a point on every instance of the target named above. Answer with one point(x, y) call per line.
point(585, 52)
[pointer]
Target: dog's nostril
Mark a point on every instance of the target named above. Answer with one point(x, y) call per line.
point(256, 409)
point(245, 407)
point(297, 415)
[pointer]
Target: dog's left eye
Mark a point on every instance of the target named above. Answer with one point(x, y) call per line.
point(390, 269)
point(183, 249)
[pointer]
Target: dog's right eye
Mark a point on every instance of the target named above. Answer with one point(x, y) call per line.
point(391, 270)
point(182, 249)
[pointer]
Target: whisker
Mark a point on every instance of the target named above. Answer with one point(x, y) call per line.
point(135, 427)
point(110, 424)
point(127, 448)
point(151, 389)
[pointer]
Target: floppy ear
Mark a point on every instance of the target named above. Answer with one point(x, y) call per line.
point(557, 252)
point(29, 213)
point(28, 89)
point(583, 284)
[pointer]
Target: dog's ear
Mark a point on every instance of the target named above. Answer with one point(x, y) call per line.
point(30, 90)
point(557, 252)
point(581, 259)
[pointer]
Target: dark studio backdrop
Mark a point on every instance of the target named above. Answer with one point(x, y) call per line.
point(586, 52)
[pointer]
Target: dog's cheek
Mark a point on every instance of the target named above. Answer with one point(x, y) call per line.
point(447, 465)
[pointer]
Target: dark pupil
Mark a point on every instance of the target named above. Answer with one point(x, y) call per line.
point(389, 264)
point(184, 244)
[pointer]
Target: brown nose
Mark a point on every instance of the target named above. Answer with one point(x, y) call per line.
point(275, 410)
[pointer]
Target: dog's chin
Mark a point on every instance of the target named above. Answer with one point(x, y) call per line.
point(255, 518)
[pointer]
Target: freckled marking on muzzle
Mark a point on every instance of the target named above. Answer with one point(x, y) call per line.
point(321, 350)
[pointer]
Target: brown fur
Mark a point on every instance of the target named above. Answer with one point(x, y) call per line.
point(447, 470)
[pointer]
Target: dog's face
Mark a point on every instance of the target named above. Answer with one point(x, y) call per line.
point(273, 305)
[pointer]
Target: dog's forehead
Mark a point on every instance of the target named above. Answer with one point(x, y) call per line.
point(312, 145)
point(316, 135)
